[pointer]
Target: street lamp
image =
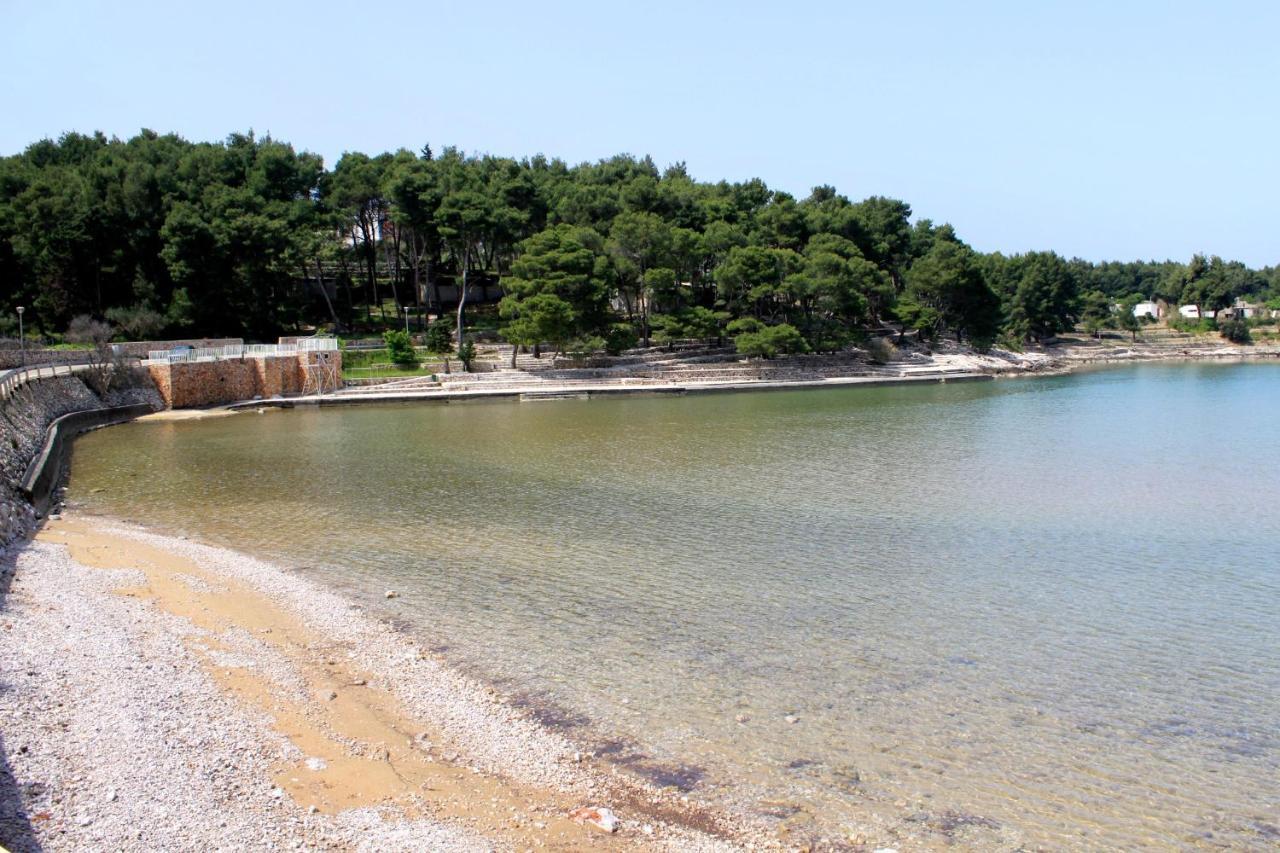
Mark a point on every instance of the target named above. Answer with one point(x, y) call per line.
point(406, 319)
point(22, 338)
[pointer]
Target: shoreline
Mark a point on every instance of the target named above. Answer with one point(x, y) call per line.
point(260, 649)
point(1054, 361)
point(183, 680)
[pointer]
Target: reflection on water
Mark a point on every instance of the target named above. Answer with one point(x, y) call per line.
point(1037, 611)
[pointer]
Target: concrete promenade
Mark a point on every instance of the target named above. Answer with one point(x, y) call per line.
point(581, 390)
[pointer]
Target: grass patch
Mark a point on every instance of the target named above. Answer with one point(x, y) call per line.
point(384, 371)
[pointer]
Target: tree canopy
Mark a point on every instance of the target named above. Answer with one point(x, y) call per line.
point(252, 237)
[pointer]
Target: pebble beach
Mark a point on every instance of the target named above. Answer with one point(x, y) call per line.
point(162, 694)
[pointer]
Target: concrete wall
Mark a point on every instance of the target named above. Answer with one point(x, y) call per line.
point(26, 418)
point(46, 468)
point(185, 385)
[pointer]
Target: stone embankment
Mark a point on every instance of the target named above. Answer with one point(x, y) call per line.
point(24, 419)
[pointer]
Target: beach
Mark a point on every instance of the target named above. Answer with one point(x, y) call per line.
point(166, 694)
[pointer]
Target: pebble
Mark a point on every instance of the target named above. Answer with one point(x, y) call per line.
point(391, 593)
point(791, 718)
point(207, 745)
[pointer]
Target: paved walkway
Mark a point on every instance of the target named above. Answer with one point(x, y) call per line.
point(548, 390)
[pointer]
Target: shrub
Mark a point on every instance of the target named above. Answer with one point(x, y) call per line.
point(880, 350)
point(106, 365)
point(1236, 331)
point(466, 355)
point(619, 337)
point(400, 348)
point(770, 341)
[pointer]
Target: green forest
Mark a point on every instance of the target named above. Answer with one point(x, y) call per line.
point(162, 237)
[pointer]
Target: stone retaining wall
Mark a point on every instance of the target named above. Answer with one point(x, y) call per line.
point(184, 385)
point(24, 419)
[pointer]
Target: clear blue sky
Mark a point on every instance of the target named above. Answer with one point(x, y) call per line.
point(1099, 129)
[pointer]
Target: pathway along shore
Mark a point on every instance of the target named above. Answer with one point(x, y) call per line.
point(160, 694)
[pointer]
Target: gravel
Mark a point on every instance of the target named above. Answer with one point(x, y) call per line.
point(115, 736)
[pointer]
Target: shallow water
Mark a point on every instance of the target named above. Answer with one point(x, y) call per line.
point(1025, 611)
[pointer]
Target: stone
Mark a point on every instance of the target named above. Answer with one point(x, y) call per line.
point(742, 718)
point(601, 818)
point(316, 764)
point(391, 593)
point(791, 719)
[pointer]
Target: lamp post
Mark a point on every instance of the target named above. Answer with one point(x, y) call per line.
point(22, 338)
point(406, 319)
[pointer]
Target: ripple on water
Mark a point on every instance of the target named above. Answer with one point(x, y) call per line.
point(1035, 612)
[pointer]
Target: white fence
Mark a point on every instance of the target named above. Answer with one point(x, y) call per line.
point(179, 355)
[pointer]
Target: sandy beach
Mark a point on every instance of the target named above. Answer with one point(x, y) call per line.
point(159, 693)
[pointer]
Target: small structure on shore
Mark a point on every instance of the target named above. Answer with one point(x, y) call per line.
point(1154, 310)
point(210, 376)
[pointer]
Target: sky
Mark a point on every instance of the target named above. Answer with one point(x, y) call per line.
point(1103, 130)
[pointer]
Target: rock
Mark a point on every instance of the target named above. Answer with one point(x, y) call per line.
point(792, 719)
point(316, 764)
point(391, 593)
point(601, 818)
point(647, 829)
point(742, 718)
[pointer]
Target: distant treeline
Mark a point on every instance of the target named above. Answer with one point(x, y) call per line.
point(249, 237)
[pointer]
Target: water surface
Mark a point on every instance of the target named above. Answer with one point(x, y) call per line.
point(1023, 611)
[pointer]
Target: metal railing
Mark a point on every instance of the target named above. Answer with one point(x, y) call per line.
point(180, 355)
point(12, 380)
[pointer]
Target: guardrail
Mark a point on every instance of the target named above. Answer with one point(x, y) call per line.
point(12, 380)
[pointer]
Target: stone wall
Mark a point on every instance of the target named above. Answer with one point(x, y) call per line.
point(184, 385)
